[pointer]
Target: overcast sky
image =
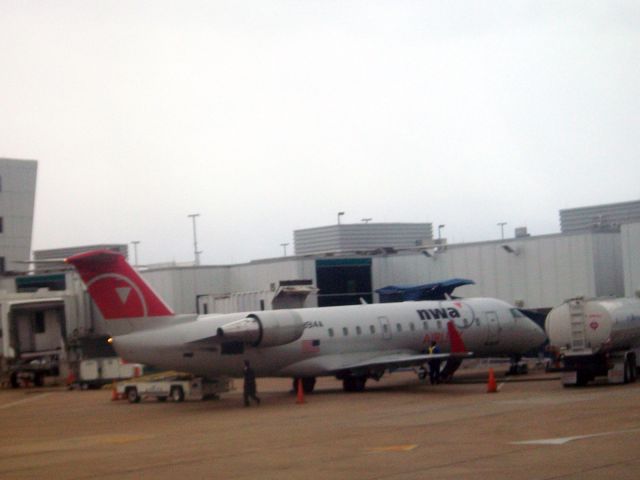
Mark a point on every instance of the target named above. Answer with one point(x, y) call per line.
point(270, 116)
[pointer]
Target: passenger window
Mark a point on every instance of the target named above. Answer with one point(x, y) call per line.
point(372, 329)
point(399, 327)
point(425, 326)
point(385, 328)
point(331, 332)
point(412, 327)
point(345, 331)
point(439, 325)
point(358, 330)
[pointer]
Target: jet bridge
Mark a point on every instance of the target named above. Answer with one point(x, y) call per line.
point(428, 291)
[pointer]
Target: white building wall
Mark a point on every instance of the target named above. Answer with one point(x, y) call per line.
point(541, 273)
point(258, 276)
point(630, 239)
point(180, 286)
point(546, 270)
point(17, 196)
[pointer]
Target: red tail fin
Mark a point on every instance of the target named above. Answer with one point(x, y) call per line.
point(457, 345)
point(116, 288)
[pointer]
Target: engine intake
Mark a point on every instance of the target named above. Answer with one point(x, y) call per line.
point(266, 329)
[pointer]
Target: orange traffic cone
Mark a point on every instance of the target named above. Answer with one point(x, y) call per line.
point(300, 398)
point(114, 392)
point(492, 387)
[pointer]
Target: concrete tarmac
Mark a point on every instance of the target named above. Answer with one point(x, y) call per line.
point(400, 428)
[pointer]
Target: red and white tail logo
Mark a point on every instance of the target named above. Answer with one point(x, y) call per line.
point(116, 288)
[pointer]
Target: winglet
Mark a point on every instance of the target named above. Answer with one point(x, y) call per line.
point(117, 289)
point(457, 345)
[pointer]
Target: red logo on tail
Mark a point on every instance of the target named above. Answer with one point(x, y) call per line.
point(116, 288)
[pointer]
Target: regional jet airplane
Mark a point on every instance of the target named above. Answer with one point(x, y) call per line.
point(353, 343)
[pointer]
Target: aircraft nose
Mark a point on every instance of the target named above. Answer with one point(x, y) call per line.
point(538, 336)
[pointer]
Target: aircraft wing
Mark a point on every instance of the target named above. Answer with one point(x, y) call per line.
point(400, 360)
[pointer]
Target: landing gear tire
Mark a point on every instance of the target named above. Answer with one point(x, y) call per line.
point(354, 384)
point(132, 395)
point(177, 394)
point(308, 384)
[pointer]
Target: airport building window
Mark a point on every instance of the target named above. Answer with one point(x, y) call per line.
point(331, 332)
point(358, 330)
point(372, 329)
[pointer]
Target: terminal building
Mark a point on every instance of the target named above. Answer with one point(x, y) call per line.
point(17, 196)
point(47, 311)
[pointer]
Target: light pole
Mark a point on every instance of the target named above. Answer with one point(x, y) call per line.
point(196, 253)
point(135, 251)
point(339, 215)
point(440, 227)
point(501, 225)
point(284, 246)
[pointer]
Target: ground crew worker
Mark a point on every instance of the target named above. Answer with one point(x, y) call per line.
point(249, 384)
point(434, 364)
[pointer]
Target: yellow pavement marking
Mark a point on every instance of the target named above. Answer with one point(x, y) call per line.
point(73, 443)
point(394, 448)
point(25, 400)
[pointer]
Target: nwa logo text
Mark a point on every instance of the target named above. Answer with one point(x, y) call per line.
point(438, 313)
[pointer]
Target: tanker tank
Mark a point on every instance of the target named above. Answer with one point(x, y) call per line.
point(596, 337)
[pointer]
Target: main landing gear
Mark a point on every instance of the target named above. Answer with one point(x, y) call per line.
point(308, 384)
point(517, 367)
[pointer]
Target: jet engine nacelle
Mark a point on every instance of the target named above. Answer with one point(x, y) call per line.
point(264, 329)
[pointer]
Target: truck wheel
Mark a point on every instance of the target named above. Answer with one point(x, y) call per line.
point(38, 379)
point(162, 399)
point(177, 394)
point(582, 378)
point(629, 367)
point(15, 383)
point(132, 395)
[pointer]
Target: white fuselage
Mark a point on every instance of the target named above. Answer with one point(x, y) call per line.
point(334, 337)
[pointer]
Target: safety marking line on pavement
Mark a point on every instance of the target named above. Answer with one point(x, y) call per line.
point(25, 400)
point(393, 448)
point(564, 440)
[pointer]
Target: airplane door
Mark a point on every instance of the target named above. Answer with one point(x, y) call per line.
point(493, 328)
point(385, 327)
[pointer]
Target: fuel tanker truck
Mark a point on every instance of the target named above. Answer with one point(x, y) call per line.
point(596, 337)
